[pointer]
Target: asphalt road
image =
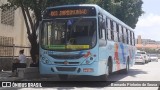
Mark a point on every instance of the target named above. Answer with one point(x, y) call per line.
point(139, 72)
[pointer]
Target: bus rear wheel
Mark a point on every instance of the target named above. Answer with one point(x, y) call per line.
point(63, 77)
point(126, 70)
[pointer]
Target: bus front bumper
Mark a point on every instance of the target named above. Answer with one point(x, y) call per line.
point(94, 69)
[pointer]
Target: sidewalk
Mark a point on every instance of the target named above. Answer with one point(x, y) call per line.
point(4, 76)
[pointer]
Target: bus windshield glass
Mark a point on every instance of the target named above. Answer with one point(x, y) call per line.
point(69, 34)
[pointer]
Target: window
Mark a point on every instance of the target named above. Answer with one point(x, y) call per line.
point(112, 30)
point(100, 27)
point(117, 29)
point(134, 38)
point(106, 22)
point(120, 33)
point(102, 33)
point(129, 42)
point(6, 41)
point(59, 35)
point(123, 40)
point(131, 37)
point(109, 29)
point(7, 16)
point(127, 36)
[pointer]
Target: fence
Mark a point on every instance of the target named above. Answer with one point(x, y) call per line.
point(8, 52)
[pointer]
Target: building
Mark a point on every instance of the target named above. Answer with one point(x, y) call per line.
point(147, 43)
point(139, 40)
point(12, 32)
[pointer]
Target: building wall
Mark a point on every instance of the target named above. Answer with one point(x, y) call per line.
point(16, 31)
point(147, 43)
point(148, 46)
point(139, 40)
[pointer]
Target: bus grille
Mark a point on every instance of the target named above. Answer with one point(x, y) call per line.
point(66, 68)
point(77, 56)
point(68, 63)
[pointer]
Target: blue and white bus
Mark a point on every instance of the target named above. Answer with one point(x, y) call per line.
point(84, 40)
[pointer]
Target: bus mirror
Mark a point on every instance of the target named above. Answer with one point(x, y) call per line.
point(102, 42)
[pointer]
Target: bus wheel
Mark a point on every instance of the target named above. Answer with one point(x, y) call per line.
point(109, 67)
point(126, 70)
point(109, 70)
point(63, 77)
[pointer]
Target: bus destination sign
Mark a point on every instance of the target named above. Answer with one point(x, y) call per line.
point(69, 12)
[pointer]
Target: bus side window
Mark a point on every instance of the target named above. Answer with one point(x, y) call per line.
point(106, 28)
point(127, 36)
point(129, 41)
point(112, 30)
point(117, 29)
point(115, 32)
point(131, 37)
point(102, 31)
point(100, 27)
point(109, 29)
point(122, 35)
point(134, 38)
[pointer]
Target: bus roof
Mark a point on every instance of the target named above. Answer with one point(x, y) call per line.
point(99, 8)
point(73, 5)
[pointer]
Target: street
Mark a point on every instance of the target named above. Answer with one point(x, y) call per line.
point(139, 72)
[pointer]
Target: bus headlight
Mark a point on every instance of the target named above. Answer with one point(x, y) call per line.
point(45, 61)
point(89, 60)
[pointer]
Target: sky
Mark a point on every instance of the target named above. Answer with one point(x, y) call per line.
point(148, 25)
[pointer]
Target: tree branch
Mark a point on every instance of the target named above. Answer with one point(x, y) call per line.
point(25, 19)
point(29, 18)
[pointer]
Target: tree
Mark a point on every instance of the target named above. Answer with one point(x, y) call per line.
point(126, 10)
point(37, 7)
point(129, 11)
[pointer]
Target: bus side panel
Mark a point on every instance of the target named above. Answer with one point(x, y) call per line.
point(126, 52)
point(120, 55)
point(103, 52)
point(119, 52)
point(106, 52)
point(132, 55)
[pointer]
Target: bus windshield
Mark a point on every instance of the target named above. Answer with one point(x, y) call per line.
point(69, 34)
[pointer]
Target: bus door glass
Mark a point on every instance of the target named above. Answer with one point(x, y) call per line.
point(102, 30)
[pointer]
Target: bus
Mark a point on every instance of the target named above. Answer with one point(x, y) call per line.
point(84, 39)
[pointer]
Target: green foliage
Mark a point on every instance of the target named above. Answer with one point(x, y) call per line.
point(126, 10)
point(129, 11)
